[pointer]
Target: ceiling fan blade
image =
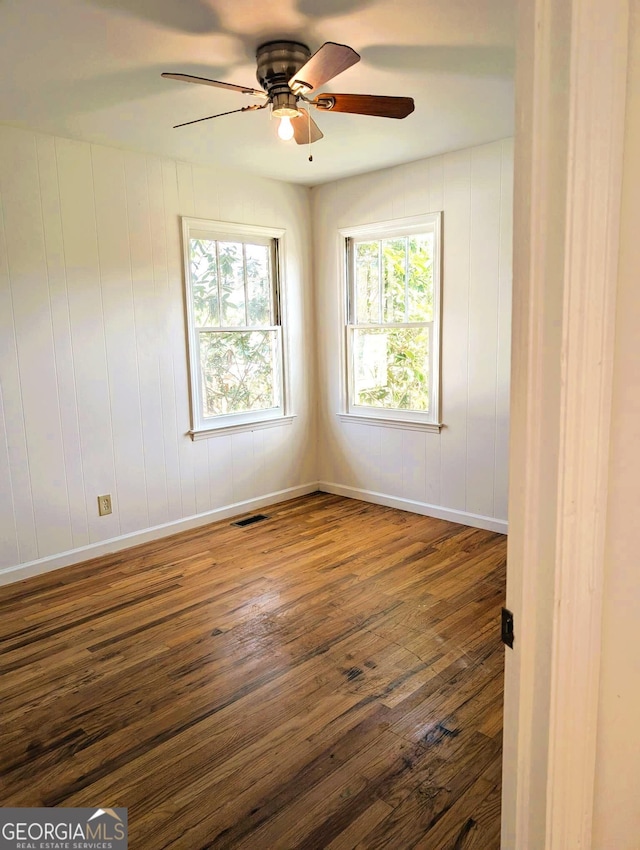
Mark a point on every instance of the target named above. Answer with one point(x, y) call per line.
point(366, 104)
point(305, 129)
point(326, 63)
point(189, 78)
point(219, 115)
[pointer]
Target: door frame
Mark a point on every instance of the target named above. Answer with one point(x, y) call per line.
point(570, 104)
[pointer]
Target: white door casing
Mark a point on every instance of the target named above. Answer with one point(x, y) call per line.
point(569, 143)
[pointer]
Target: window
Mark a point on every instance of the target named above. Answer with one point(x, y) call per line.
point(235, 332)
point(393, 320)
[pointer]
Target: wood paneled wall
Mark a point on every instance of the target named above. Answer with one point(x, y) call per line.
point(93, 366)
point(461, 472)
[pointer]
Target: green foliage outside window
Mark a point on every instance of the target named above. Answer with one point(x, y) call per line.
point(393, 374)
point(232, 289)
point(237, 371)
point(393, 286)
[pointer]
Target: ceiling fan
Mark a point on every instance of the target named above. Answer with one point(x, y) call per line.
point(288, 73)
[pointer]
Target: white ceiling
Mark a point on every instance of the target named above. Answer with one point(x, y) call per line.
point(90, 69)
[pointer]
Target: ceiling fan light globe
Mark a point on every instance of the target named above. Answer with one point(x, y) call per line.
point(284, 103)
point(285, 129)
point(285, 112)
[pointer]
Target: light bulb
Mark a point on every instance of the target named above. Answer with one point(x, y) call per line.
point(285, 129)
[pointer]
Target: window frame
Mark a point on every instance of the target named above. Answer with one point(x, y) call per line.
point(392, 417)
point(202, 426)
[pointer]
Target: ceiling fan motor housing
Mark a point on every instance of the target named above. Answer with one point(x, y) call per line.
point(278, 61)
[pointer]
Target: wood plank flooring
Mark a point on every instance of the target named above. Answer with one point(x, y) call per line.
point(328, 678)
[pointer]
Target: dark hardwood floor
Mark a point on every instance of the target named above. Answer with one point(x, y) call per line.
point(329, 678)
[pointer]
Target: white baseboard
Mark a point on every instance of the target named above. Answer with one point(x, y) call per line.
point(115, 544)
point(462, 517)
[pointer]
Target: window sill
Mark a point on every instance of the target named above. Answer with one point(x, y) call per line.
point(226, 430)
point(380, 421)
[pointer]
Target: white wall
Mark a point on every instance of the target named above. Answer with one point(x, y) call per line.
point(93, 366)
point(460, 473)
point(616, 822)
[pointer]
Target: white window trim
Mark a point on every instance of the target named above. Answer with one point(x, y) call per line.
point(225, 430)
point(405, 424)
point(379, 416)
point(250, 420)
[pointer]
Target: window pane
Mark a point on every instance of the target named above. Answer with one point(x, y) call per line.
point(204, 278)
point(367, 270)
point(239, 371)
point(258, 285)
point(391, 367)
point(421, 278)
point(231, 283)
point(394, 267)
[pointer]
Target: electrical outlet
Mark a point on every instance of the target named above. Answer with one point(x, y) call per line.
point(104, 505)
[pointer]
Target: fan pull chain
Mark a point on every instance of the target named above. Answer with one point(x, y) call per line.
point(309, 123)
